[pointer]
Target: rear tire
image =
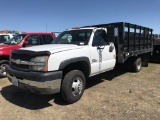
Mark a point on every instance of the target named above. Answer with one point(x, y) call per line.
point(134, 64)
point(3, 64)
point(137, 64)
point(73, 86)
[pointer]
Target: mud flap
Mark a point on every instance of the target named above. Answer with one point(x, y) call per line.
point(145, 60)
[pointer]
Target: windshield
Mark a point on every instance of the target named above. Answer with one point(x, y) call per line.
point(78, 37)
point(16, 39)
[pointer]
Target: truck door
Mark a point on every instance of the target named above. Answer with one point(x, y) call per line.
point(33, 40)
point(102, 53)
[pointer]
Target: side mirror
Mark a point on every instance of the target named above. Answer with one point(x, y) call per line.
point(110, 34)
point(111, 48)
point(25, 43)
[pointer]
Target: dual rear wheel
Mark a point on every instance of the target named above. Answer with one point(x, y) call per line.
point(135, 64)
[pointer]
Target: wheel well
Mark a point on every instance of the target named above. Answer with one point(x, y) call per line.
point(82, 66)
point(144, 57)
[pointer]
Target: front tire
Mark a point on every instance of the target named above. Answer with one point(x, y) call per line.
point(73, 86)
point(3, 64)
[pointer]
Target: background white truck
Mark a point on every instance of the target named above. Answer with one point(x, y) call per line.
point(77, 54)
point(5, 37)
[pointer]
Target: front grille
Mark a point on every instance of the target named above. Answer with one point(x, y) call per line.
point(20, 66)
point(23, 57)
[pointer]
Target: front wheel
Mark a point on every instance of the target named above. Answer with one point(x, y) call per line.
point(73, 86)
point(3, 64)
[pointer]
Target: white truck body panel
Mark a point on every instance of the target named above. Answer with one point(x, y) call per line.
point(56, 58)
point(6, 37)
point(101, 60)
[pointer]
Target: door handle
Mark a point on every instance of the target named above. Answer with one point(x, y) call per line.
point(94, 60)
point(100, 47)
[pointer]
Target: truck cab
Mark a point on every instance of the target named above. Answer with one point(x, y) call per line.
point(102, 58)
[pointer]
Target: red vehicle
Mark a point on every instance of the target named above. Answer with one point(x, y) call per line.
point(21, 40)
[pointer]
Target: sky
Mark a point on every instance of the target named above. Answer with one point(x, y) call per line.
point(59, 15)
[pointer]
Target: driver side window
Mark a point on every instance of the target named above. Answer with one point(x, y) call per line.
point(67, 38)
point(100, 38)
point(33, 40)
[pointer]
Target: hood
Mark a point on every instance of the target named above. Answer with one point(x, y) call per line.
point(53, 48)
point(5, 46)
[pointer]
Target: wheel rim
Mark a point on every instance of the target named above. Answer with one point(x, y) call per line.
point(139, 64)
point(2, 69)
point(77, 86)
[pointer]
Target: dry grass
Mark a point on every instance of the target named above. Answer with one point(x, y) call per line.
point(114, 95)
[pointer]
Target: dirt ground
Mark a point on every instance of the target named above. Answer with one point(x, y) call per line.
point(113, 95)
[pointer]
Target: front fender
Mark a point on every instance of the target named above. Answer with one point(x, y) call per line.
point(64, 63)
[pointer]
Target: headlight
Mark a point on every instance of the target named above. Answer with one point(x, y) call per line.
point(39, 63)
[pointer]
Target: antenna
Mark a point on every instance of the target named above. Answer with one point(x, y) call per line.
point(46, 26)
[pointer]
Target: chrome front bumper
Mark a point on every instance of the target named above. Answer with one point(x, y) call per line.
point(36, 84)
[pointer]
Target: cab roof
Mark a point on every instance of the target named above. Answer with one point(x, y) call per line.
point(82, 28)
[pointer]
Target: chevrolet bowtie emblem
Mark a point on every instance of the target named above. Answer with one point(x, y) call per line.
point(17, 61)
